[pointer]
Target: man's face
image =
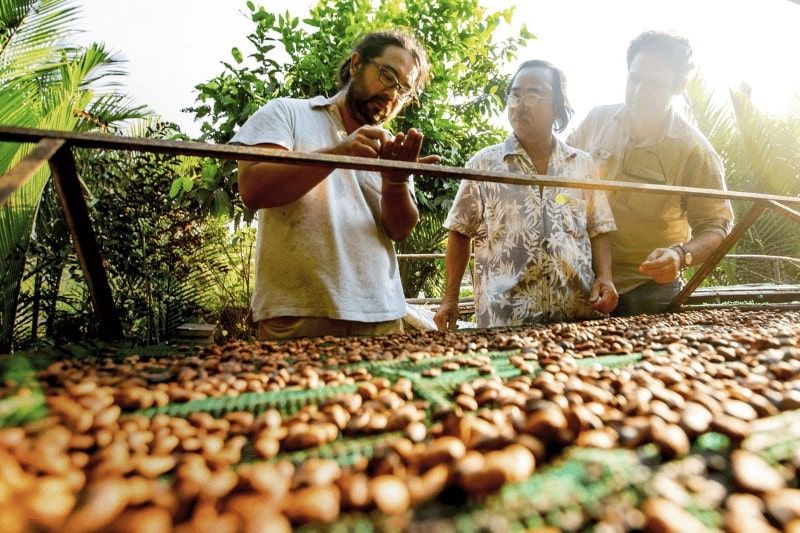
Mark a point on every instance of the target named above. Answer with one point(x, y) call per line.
point(530, 103)
point(651, 86)
point(381, 86)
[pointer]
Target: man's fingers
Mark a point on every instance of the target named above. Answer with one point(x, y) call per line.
point(594, 295)
point(446, 318)
point(361, 150)
point(430, 159)
point(654, 255)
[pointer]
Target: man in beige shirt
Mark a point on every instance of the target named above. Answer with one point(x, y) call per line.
point(646, 141)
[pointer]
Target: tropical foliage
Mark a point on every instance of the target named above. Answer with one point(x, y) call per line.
point(44, 84)
point(761, 153)
point(297, 58)
point(164, 264)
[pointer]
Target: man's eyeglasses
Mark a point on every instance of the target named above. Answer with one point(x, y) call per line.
point(389, 80)
point(643, 165)
point(527, 99)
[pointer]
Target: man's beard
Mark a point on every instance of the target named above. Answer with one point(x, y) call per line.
point(367, 111)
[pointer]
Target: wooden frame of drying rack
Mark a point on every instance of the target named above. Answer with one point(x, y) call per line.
point(55, 149)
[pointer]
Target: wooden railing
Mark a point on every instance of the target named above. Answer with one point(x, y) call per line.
point(54, 148)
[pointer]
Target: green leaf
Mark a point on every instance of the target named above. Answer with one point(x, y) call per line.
point(175, 189)
point(188, 184)
point(209, 173)
point(221, 204)
point(237, 54)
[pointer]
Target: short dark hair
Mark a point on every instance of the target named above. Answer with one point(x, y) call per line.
point(373, 44)
point(674, 48)
point(558, 82)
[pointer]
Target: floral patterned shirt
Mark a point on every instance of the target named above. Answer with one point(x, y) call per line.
point(533, 257)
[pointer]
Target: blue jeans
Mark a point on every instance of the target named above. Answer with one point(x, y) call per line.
point(649, 298)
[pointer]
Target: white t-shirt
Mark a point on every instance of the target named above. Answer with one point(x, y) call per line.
point(325, 254)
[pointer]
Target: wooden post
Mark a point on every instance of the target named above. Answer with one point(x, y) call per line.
point(785, 211)
point(27, 167)
point(711, 263)
point(76, 213)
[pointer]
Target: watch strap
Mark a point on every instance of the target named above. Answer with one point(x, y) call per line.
point(681, 249)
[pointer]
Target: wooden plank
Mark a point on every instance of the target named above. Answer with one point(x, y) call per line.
point(775, 258)
point(767, 293)
point(785, 211)
point(112, 142)
point(27, 167)
point(711, 263)
point(420, 256)
point(739, 293)
point(76, 213)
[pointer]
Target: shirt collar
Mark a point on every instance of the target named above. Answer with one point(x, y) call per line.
point(561, 151)
point(674, 128)
point(322, 101)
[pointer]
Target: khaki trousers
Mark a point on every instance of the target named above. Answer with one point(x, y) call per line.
point(292, 327)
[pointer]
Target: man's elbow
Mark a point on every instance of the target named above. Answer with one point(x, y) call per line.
point(254, 195)
point(401, 233)
point(248, 199)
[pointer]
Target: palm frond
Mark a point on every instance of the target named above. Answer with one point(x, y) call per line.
point(112, 108)
point(761, 153)
point(32, 29)
point(44, 83)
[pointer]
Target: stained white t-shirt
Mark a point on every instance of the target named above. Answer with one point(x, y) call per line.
point(325, 254)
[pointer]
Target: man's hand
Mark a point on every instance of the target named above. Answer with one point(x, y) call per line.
point(447, 315)
point(663, 265)
point(366, 141)
point(603, 296)
point(404, 147)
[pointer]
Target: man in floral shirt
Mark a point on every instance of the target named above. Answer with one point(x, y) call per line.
point(541, 253)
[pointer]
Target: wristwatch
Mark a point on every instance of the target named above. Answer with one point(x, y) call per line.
point(686, 255)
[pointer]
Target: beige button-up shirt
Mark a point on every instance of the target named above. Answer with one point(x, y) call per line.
point(532, 248)
point(680, 156)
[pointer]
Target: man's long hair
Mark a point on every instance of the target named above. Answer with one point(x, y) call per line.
point(373, 44)
point(562, 107)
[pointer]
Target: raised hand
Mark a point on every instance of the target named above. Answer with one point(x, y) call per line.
point(366, 141)
point(405, 147)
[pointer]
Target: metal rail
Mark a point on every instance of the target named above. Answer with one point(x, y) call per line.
point(55, 148)
point(113, 142)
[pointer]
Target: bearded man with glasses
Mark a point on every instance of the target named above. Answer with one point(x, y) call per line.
point(541, 253)
point(325, 260)
point(646, 141)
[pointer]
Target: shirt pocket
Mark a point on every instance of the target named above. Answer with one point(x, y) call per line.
point(647, 167)
point(572, 210)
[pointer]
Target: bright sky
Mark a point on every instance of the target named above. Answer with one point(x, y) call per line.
point(172, 45)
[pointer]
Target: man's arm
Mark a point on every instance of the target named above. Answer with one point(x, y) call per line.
point(399, 212)
point(603, 296)
point(263, 184)
point(455, 264)
point(709, 218)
